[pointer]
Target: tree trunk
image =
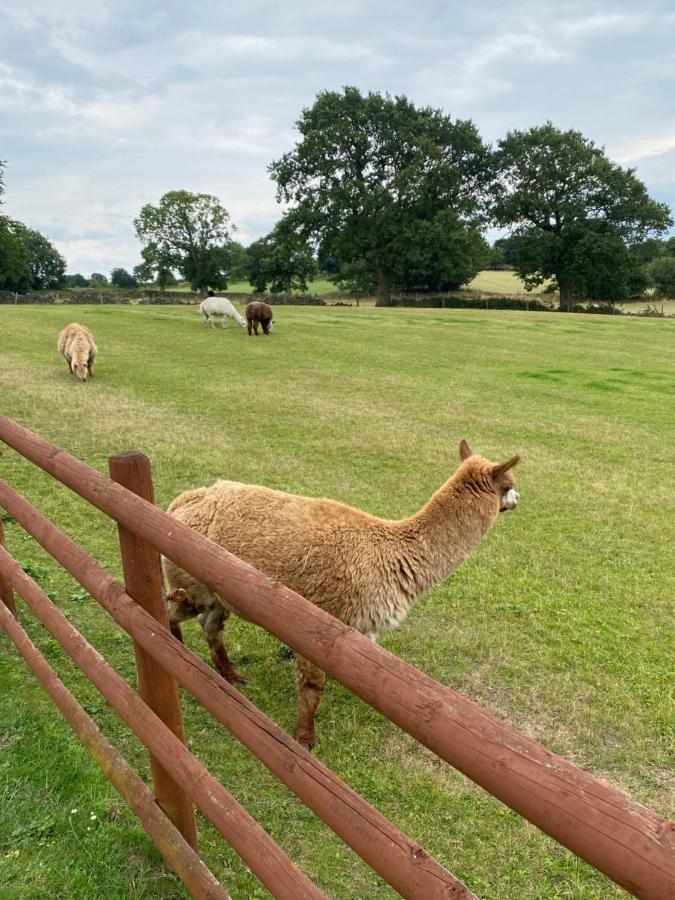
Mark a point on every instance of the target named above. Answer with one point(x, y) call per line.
point(383, 286)
point(203, 290)
point(565, 295)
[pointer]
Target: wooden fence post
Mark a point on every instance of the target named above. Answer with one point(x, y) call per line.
point(6, 592)
point(143, 581)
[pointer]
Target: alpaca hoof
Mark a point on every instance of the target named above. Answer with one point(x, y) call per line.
point(308, 741)
point(234, 677)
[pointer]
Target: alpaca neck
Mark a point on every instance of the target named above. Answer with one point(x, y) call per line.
point(437, 539)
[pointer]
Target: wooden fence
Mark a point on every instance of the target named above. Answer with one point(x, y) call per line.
point(626, 841)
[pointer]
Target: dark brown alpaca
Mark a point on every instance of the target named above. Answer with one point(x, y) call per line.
point(259, 313)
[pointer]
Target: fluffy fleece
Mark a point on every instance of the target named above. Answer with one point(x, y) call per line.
point(220, 306)
point(76, 344)
point(259, 313)
point(363, 570)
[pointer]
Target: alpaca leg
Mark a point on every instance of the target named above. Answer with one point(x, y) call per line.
point(225, 322)
point(180, 607)
point(311, 681)
point(212, 621)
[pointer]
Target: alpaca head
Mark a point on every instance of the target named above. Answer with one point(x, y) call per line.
point(80, 370)
point(495, 476)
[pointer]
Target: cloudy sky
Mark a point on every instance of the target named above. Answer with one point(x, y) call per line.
point(105, 106)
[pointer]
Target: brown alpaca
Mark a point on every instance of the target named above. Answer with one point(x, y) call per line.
point(256, 313)
point(76, 343)
point(364, 570)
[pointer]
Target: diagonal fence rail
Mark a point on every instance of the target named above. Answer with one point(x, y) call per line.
point(626, 841)
point(401, 861)
point(167, 838)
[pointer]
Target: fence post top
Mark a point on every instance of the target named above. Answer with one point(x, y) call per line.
point(130, 455)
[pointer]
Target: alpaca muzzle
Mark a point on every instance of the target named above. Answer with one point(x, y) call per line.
point(509, 500)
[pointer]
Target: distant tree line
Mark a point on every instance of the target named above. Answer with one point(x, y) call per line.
point(381, 196)
point(28, 261)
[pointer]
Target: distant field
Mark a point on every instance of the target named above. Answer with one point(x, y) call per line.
point(320, 286)
point(499, 283)
point(560, 623)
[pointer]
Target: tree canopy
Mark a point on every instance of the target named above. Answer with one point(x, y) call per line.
point(76, 280)
point(571, 210)
point(122, 279)
point(46, 265)
point(661, 273)
point(282, 261)
point(28, 261)
point(369, 170)
point(189, 233)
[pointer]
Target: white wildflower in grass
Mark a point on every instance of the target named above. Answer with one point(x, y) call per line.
point(92, 816)
point(73, 811)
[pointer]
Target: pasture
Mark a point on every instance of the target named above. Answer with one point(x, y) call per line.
point(560, 622)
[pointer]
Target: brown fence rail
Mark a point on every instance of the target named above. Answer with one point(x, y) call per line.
point(626, 841)
point(402, 862)
point(164, 834)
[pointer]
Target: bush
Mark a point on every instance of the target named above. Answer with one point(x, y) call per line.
point(291, 299)
point(650, 312)
point(599, 309)
point(435, 302)
point(661, 273)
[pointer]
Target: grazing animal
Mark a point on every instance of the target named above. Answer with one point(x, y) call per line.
point(363, 570)
point(257, 313)
point(76, 343)
point(220, 306)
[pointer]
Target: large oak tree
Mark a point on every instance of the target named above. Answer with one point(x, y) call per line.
point(572, 212)
point(189, 233)
point(368, 169)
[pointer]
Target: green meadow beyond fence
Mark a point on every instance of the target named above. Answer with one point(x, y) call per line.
point(626, 841)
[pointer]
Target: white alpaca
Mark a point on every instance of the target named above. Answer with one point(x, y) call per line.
point(220, 306)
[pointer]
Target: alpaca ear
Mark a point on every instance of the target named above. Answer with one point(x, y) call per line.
point(464, 450)
point(498, 471)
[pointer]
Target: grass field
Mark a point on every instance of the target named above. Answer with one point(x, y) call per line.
point(561, 621)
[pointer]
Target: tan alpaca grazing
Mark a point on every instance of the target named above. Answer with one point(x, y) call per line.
point(76, 344)
point(363, 570)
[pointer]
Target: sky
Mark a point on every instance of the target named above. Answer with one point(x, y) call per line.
point(106, 106)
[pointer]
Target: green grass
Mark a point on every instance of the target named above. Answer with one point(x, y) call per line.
point(560, 622)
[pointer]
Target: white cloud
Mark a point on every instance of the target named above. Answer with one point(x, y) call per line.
point(125, 102)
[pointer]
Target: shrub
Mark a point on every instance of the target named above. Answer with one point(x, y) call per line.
point(435, 302)
point(661, 273)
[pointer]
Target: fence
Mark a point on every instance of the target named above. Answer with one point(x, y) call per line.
point(629, 843)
